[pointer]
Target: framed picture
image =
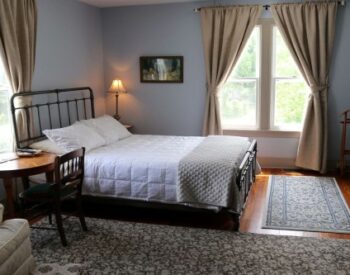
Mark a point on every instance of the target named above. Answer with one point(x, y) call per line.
point(161, 69)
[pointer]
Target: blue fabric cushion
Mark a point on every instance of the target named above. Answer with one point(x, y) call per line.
point(44, 190)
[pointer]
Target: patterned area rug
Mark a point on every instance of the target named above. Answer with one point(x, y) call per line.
point(113, 247)
point(57, 269)
point(307, 204)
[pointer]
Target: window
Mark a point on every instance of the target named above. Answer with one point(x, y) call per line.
point(238, 98)
point(6, 136)
point(265, 90)
point(288, 87)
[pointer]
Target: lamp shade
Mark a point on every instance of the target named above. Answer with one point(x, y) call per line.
point(117, 87)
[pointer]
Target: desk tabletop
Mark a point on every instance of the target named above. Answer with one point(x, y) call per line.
point(16, 166)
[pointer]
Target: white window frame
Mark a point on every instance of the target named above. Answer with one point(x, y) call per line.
point(266, 90)
point(6, 93)
point(257, 80)
point(274, 80)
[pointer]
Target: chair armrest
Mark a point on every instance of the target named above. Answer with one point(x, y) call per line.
point(1, 212)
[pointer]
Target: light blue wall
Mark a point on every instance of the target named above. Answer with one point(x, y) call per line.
point(69, 47)
point(129, 32)
point(172, 29)
point(339, 93)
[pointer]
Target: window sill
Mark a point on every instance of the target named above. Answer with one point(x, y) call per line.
point(262, 133)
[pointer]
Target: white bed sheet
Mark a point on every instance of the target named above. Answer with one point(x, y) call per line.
point(142, 167)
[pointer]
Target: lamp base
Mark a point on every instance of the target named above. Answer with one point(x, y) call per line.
point(117, 117)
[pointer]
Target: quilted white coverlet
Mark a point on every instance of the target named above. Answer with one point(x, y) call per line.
point(207, 174)
point(140, 167)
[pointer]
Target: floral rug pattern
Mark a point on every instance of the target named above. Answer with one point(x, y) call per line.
point(306, 203)
point(114, 247)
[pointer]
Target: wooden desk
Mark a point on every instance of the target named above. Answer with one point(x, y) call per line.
point(23, 167)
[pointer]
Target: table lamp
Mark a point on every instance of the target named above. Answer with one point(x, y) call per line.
point(117, 88)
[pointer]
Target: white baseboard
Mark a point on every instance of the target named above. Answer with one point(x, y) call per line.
point(271, 162)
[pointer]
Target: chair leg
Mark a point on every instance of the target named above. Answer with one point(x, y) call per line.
point(21, 208)
point(59, 223)
point(80, 213)
point(50, 218)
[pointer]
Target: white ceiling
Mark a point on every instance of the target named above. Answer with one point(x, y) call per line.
point(117, 3)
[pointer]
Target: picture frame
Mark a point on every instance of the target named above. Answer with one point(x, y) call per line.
point(161, 69)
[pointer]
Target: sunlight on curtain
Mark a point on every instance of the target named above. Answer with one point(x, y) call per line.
point(6, 134)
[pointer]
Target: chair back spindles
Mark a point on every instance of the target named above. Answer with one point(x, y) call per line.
point(70, 168)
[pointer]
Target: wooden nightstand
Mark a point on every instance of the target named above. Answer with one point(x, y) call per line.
point(128, 126)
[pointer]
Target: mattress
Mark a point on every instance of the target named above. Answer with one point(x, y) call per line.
point(142, 167)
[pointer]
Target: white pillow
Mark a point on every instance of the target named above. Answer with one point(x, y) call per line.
point(47, 146)
point(108, 127)
point(75, 136)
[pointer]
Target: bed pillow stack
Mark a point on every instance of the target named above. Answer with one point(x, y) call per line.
point(91, 134)
point(75, 136)
point(108, 127)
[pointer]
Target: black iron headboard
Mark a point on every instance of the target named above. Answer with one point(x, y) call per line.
point(49, 109)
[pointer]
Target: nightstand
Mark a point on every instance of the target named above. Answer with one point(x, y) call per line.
point(128, 126)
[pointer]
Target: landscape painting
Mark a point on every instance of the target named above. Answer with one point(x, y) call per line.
point(161, 69)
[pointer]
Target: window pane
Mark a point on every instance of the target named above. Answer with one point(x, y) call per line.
point(290, 102)
point(5, 122)
point(238, 97)
point(247, 65)
point(5, 126)
point(284, 63)
point(238, 103)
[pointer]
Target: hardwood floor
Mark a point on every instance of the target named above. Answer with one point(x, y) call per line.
point(251, 219)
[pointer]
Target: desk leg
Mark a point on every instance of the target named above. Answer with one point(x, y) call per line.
point(49, 176)
point(25, 182)
point(9, 197)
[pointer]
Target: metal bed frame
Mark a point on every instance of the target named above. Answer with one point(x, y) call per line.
point(63, 107)
point(61, 101)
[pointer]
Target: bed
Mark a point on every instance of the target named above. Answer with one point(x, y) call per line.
point(196, 173)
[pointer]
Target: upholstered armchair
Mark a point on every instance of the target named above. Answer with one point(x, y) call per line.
point(15, 246)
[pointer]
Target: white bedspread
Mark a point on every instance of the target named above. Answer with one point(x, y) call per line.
point(139, 167)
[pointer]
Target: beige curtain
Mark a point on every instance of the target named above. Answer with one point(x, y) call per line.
point(225, 31)
point(308, 30)
point(18, 24)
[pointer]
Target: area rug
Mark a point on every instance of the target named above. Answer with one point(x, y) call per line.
point(307, 204)
point(57, 269)
point(114, 247)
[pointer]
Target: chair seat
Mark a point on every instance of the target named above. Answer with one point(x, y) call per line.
point(44, 190)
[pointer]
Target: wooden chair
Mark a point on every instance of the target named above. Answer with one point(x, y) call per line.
point(343, 150)
point(46, 198)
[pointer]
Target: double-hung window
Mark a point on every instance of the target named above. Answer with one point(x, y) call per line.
point(239, 96)
point(6, 136)
point(265, 90)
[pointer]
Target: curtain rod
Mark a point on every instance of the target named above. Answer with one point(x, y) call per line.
point(266, 7)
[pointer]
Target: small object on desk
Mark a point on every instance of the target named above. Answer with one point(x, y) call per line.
point(27, 152)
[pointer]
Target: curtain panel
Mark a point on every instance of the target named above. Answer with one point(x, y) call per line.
point(225, 31)
point(308, 30)
point(18, 28)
